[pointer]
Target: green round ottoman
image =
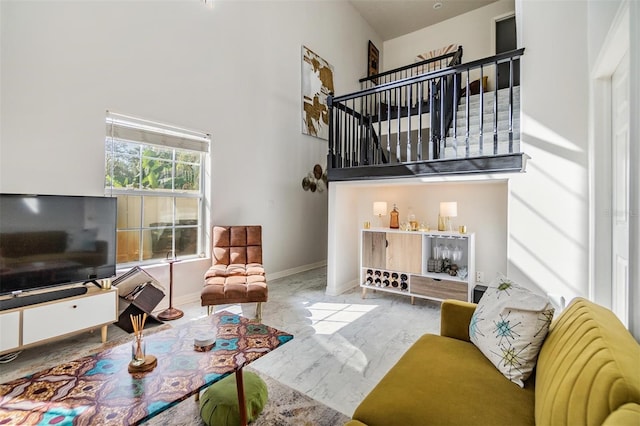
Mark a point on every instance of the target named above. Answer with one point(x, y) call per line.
point(219, 402)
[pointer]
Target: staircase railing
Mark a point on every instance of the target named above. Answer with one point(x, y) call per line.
point(417, 68)
point(388, 123)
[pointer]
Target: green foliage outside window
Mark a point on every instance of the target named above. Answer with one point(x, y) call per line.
point(134, 166)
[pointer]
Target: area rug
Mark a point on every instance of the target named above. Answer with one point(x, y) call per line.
point(285, 405)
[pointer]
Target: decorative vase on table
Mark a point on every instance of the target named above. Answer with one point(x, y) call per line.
point(394, 218)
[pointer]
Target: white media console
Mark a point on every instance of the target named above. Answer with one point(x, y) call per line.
point(30, 325)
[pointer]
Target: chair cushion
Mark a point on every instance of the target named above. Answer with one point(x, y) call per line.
point(219, 402)
point(234, 289)
point(237, 244)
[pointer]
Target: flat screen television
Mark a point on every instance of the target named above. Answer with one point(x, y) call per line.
point(51, 240)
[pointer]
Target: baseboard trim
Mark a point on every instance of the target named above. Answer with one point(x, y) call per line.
point(195, 297)
point(281, 274)
point(342, 288)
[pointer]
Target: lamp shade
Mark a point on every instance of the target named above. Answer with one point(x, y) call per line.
point(379, 208)
point(449, 209)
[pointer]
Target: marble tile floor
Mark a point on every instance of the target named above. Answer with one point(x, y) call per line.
point(343, 345)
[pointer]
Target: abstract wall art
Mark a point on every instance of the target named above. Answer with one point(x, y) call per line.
point(317, 83)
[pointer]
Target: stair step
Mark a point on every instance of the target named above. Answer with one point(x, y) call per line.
point(474, 127)
point(488, 103)
point(474, 138)
point(474, 150)
point(488, 97)
point(461, 116)
point(502, 93)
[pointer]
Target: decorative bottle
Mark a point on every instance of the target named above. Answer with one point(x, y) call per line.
point(394, 221)
point(411, 218)
point(138, 350)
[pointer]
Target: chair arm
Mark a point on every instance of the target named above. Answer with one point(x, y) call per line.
point(455, 317)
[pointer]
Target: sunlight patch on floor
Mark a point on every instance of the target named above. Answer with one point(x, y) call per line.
point(328, 318)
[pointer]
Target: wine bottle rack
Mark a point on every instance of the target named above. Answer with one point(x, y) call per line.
point(410, 263)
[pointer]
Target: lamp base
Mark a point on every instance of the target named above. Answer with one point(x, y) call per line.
point(445, 223)
point(170, 314)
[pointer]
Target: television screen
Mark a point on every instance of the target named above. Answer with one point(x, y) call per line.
point(49, 240)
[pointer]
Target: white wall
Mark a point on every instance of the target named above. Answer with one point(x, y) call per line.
point(232, 71)
point(474, 31)
point(482, 207)
point(548, 235)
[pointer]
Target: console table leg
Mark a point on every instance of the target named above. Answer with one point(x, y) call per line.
point(241, 402)
point(104, 334)
point(364, 292)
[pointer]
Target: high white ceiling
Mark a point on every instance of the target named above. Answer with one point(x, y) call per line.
point(393, 18)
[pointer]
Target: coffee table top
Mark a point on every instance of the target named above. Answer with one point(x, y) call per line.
point(98, 389)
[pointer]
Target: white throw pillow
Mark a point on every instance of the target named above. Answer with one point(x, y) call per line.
point(509, 326)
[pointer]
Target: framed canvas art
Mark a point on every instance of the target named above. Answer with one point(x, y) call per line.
point(373, 61)
point(317, 84)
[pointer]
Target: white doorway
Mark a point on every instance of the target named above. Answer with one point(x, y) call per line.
point(610, 172)
point(620, 190)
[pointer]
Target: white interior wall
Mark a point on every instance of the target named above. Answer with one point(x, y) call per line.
point(548, 235)
point(482, 207)
point(474, 31)
point(232, 71)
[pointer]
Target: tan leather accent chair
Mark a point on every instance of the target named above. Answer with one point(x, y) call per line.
point(236, 274)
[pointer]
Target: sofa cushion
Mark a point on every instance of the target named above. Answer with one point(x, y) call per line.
point(509, 326)
point(445, 381)
point(589, 367)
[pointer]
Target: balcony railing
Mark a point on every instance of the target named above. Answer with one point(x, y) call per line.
point(426, 123)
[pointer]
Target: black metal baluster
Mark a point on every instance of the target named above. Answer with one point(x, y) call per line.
point(443, 87)
point(379, 136)
point(467, 112)
point(455, 114)
point(332, 129)
point(432, 113)
point(495, 112)
point(389, 125)
point(510, 105)
point(338, 138)
point(354, 129)
point(409, 95)
point(398, 116)
point(420, 102)
point(481, 128)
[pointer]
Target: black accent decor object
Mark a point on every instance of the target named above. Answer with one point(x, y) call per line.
point(478, 291)
point(33, 299)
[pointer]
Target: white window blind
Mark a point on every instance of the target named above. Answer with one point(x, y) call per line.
point(138, 130)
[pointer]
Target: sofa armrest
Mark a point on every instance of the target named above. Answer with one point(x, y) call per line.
point(455, 317)
point(354, 423)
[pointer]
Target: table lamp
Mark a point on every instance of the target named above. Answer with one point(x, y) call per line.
point(448, 209)
point(380, 209)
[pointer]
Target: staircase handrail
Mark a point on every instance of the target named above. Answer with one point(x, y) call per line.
point(499, 58)
point(414, 65)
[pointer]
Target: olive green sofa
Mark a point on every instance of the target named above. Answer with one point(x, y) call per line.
point(588, 373)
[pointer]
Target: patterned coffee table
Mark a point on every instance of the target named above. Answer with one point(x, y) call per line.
point(98, 389)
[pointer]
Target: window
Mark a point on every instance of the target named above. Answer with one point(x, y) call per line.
point(156, 172)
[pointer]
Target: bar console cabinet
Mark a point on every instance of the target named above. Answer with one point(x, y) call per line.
point(405, 262)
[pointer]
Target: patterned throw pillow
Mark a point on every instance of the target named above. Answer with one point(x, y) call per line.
point(509, 326)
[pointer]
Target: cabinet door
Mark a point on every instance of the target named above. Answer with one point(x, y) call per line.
point(68, 316)
point(374, 249)
point(9, 331)
point(404, 252)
